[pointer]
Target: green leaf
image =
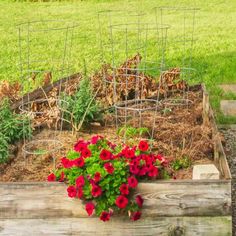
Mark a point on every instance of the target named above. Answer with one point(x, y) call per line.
point(72, 155)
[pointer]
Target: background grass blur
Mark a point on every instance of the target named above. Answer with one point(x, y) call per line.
point(214, 53)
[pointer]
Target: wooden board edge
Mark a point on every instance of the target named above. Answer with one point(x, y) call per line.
point(159, 182)
point(219, 153)
point(210, 226)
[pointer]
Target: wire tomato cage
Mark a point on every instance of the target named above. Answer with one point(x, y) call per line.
point(45, 58)
point(156, 67)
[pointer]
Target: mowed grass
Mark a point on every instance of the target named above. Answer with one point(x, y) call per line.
point(213, 55)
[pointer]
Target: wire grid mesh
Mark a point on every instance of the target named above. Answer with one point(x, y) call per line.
point(106, 19)
point(141, 45)
point(44, 51)
point(179, 51)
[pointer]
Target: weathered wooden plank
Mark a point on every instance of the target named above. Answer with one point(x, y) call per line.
point(205, 105)
point(187, 198)
point(162, 198)
point(161, 226)
point(219, 154)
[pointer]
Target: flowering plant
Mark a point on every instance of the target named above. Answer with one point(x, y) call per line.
point(105, 175)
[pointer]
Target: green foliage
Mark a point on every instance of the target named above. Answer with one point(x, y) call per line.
point(40, 152)
point(13, 127)
point(82, 105)
point(164, 174)
point(3, 148)
point(166, 111)
point(131, 132)
point(181, 163)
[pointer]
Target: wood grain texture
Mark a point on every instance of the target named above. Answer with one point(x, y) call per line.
point(162, 198)
point(161, 226)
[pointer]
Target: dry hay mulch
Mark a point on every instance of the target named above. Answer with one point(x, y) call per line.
point(37, 167)
point(180, 131)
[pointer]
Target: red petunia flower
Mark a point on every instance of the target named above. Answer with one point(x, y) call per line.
point(153, 171)
point(96, 191)
point(89, 207)
point(79, 162)
point(51, 177)
point(121, 201)
point(71, 191)
point(159, 157)
point(149, 159)
point(132, 182)
point(162, 159)
point(105, 155)
point(92, 182)
point(105, 216)
point(143, 146)
point(66, 163)
point(80, 181)
point(62, 177)
point(80, 146)
point(111, 145)
point(109, 167)
point(128, 152)
point(80, 193)
point(139, 200)
point(136, 215)
point(124, 189)
point(95, 139)
point(143, 171)
point(86, 153)
point(97, 177)
point(135, 161)
point(134, 169)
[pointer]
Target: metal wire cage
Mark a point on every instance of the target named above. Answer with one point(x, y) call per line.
point(44, 57)
point(142, 46)
point(179, 70)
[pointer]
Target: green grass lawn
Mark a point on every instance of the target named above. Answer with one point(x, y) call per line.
point(214, 54)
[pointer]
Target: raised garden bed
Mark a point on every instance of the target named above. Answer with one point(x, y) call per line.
point(172, 207)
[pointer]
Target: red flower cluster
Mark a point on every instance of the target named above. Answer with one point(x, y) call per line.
point(97, 167)
point(128, 152)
